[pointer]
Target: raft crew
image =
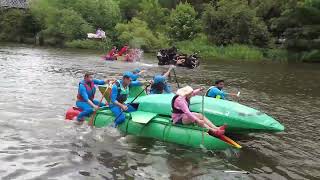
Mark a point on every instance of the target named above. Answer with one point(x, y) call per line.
point(123, 50)
point(217, 91)
point(181, 113)
point(85, 97)
point(119, 94)
point(159, 84)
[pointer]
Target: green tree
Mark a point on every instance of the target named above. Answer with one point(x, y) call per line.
point(301, 28)
point(129, 8)
point(233, 21)
point(182, 23)
point(137, 34)
point(152, 13)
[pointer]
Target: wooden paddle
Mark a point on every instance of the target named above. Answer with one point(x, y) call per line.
point(133, 100)
point(95, 112)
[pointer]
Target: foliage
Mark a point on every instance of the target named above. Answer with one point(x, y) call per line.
point(129, 8)
point(182, 23)
point(137, 33)
point(16, 24)
point(230, 52)
point(232, 21)
point(152, 13)
point(89, 44)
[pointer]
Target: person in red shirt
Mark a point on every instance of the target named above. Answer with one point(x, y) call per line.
point(123, 50)
point(112, 54)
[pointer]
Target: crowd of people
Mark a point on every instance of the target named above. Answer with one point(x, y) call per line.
point(181, 113)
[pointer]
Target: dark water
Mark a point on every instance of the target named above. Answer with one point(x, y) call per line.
point(38, 85)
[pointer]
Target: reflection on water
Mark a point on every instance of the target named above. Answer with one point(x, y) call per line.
point(39, 84)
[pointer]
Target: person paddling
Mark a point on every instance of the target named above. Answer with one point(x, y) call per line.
point(85, 97)
point(136, 74)
point(112, 54)
point(181, 113)
point(217, 91)
point(119, 95)
point(123, 50)
point(159, 84)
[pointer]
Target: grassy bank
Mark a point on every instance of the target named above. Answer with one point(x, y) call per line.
point(230, 52)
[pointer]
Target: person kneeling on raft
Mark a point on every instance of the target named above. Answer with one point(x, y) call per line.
point(119, 95)
point(85, 97)
point(159, 83)
point(217, 91)
point(181, 113)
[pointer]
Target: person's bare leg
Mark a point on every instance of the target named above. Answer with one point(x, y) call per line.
point(206, 121)
point(202, 123)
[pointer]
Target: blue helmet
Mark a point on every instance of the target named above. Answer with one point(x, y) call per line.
point(127, 74)
point(137, 70)
point(159, 79)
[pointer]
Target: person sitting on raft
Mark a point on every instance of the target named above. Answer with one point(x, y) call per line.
point(119, 95)
point(112, 54)
point(159, 84)
point(123, 50)
point(181, 113)
point(217, 92)
point(85, 97)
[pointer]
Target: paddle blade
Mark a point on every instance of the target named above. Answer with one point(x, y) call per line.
point(230, 141)
point(142, 117)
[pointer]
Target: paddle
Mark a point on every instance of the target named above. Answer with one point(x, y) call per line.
point(95, 112)
point(145, 89)
point(175, 76)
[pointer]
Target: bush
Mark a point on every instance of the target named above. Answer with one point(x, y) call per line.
point(89, 44)
point(17, 25)
point(137, 34)
point(230, 52)
point(234, 22)
point(182, 23)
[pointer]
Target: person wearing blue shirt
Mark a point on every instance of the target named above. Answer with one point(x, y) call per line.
point(85, 97)
point(119, 95)
point(217, 91)
point(159, 84)
point(136, 74)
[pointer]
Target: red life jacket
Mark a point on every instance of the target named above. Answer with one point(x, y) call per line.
point(88, 88)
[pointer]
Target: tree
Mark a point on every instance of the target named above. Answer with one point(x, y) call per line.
point(137, 33)
point(233, 21)
point(152, 13)
point(301, 28)
point(129, 8)
point(182, 23)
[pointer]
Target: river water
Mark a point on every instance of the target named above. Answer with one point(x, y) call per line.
point(39, 84)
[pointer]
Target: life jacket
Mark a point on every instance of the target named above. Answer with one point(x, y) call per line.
point(175, 110)
point(88, 88)
point(122, 95)
point(158, 87)
point(216, 96)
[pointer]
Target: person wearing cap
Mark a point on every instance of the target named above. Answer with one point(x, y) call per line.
point(181, 113)
point(159, 84)
point(217, 91)
point(136, 74)
point(119, 95)
point(85, 97)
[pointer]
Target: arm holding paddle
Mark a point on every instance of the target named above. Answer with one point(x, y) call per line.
point(168, 72)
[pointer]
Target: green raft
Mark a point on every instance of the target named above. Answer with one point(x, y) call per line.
point(161, 128)
point(239, 118)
